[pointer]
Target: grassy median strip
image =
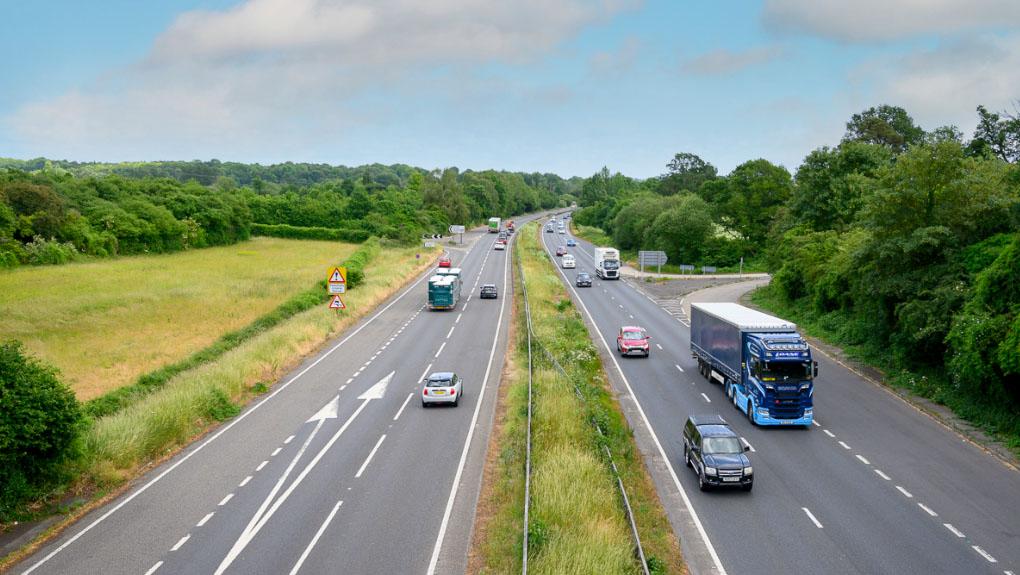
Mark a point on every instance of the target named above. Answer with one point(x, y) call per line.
point(578, 522)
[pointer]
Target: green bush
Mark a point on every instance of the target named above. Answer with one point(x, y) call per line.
point(41, 251)
point(357, 261)
point(309, 233)
point(40, 423)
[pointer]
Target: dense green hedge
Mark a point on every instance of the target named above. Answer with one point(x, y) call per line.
point(309, 233)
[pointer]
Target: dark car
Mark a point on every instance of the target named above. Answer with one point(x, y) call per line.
point(716, 453)
point(583, 280)
point(488, 291)
point(548, 229)
point(571, 243)
point(561, 250)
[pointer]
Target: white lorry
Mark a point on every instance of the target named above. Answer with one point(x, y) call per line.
point(607, 263)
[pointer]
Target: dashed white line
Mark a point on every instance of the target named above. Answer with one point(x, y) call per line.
point(244, 481)
point(205, 519)
point(845, 446)
point(458, 317)
point(706, 398)
point(449, 333)
point(276, 452)
point(181, 542)
point(748, 444)
point(424, 373)
point(904, 492)
point(261, 465)
point(883, 475)
point(374, 356)
point(370, 456)
point(815, 423)
point(440, 349)
point(401, 410)
point(658, 346)
point(680, 368)
point(315, 539)
point(631, 317)
point(827, 432)
point(621, 305)
point(812, 517)
point(288, 440)
point(984, 554)
point(927, 510)
point(349, 380)
point(862, 459)
point(154, 568)
point(225, 499)
point(954, 530)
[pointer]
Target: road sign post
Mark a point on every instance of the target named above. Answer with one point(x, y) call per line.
point(455, 229)
point(336, 284)
point(652, 258)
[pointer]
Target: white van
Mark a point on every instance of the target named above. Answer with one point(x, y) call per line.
point(568, 262)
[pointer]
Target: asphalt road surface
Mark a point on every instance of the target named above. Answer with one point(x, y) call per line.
point(875, 487)
point(339, 469)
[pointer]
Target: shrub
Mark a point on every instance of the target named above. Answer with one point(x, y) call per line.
point(41, 251)
point(309, 233)
point(40, 423)
point(357, 261)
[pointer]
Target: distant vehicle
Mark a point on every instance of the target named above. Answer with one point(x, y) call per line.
point(561, 250)
point(494, 225)
point(583, 280)
point(632, 339)
point(502, 237)
point(716, 454)
point(488, 292)
point(562, 231)
point(762, 362)
point(607, 263)
point(442, 387)
point(571, 243)
point(510, 226)
point(548, 229)
point(444, 289)
point(568, 262)
point(499, 246)
point(444, 261)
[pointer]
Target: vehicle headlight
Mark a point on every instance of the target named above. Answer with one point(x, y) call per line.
point(748, 470)
point(710, 471)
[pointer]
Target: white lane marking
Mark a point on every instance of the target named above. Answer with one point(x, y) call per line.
point(349, 380)
point(471, 430)
point(370, 456)
point(706, 397)
point(449, 333)
point(261, 465)
point(812, 517)
point(1007, 573)
point(658, 346)
point(401, 410)
point(288, 440)
point(883, 475)
point(984, 554)
point(468, 299)
point(225, 499)
point(205, 519)
point(315, 539)
point(829, 433)
point(458, 317)
point(154, 568)
point(927, 510)
point(244, 481)
point(464, 307)
point(180, 543)
point(275, 452)
point(863, 460)
point(954, 530)
point(361, 369)
point(621, 305)
point(424, 373)
point(815, 423)
point(748, 444)
point(343, 387)
point(374, 356)
point(904, 492)
point(628, 315)
point(440, 349)
point(845, 446)
point(680, 368)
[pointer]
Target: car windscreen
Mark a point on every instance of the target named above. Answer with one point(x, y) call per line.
point(583, 277)
point(439, 382)
point(633, 335)
point(721, 445)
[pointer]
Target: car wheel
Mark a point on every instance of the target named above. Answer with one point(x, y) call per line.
point(687, 457)
point(747, 487)
point(423, 404)
point(702, 484)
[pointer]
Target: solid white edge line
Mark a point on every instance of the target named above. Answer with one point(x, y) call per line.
point(368, 459)
point(225, 428)
point(811, 516)
point(954, 530)
point(315, 539)
point(471, 430)
point(154, 568)
point(651, 432)
point(927, 510)
point(181, 542)
point(401, 410)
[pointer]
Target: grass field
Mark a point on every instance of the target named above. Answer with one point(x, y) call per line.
point(105, 323)
point(578, 523)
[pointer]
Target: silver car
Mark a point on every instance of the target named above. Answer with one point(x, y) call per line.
point(442, 387)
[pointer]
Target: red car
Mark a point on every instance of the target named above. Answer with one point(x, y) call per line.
point(561, 251)
point(444, 261)
point(632, 339)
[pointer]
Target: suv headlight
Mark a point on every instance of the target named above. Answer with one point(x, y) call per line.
point(748, 470)
point(709, 471)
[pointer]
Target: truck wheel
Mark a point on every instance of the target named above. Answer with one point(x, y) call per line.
point(750, 412)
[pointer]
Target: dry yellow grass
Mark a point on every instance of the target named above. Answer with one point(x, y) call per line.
point(104, 323)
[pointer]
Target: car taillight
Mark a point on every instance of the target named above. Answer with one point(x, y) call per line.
point(425, 392)
point(453, 391)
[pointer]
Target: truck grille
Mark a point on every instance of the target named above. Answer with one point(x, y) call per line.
point(787, 405)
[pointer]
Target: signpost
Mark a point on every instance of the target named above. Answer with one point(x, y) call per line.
point(652, 259)
point(686, 268)
point(708, 269)
point(336, 284)
point(454, 229)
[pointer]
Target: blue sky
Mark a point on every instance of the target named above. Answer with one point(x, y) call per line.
point(564, 87)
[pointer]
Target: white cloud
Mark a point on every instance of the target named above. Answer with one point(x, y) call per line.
point(883, 20)
point(723, 61)
point(271, 78)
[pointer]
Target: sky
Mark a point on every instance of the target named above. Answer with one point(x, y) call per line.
point(564, 86)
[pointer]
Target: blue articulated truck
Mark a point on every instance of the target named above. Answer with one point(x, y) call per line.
point(762, 362)
point(444, 288)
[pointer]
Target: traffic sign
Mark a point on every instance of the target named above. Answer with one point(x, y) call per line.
point(650, 258)
point(337, 303)
point(335, 288)
point(456, 229)
point(338, 275)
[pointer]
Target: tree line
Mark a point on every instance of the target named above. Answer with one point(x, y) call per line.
point(903, 241)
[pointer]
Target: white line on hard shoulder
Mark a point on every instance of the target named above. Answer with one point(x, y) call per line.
point(845, 446)
point(276, 452)
point(225, 499)
point(706, 397)
point(315, 539)
point(904, 492)
point(154, 568)
point(862, 459)
point(984, 554)
point(181, 542)
point(205, 519)
point(440, 349)
point(401, 410)
point(927, 510)
point(370, 456)
point(289, 439)
point(954, 530)
point(827, 432)
point(883, 475)
point(449, 333)
point(812, 517)
point(244, 481)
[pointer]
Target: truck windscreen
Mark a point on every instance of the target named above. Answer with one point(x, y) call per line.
point(610, 264)
point(784, 370)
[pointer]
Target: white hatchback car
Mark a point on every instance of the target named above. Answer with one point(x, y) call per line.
point(442, 387)
point(568, 262)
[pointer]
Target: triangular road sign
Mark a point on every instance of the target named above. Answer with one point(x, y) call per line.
point(336, 303)
point(337, 276)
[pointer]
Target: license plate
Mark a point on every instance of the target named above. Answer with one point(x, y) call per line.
point(438, 393)
point(786, 422)
point(731, 479)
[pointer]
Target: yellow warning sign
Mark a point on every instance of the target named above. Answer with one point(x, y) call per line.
point(338, 276)
point(337, 303)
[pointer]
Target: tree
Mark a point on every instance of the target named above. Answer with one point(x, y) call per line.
point(886, 125)
point(832, 183)
point(685, 172)
point(681, 230)
point(997, 135)
point(754, 193)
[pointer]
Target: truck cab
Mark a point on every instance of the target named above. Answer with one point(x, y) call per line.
point(777, 384)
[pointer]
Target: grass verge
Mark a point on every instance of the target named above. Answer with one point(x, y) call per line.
point(578, 523)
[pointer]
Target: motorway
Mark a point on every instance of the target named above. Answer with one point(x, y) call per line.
point(338, 469)
point(874, 487)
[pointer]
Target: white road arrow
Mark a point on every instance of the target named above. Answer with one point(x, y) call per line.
point(258, 521)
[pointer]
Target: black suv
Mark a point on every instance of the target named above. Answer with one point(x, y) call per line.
point(583, 280)
point(488, 291)
point(716, 453)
